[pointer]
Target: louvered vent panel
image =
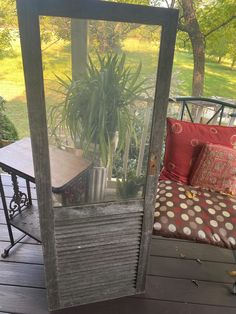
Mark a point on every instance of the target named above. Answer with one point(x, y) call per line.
point(97, 256)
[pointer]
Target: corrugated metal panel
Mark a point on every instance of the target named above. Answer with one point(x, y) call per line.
point(97, 257)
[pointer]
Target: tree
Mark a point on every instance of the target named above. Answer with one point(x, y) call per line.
point(200, 19)
point(217, 45)
point(7, 22)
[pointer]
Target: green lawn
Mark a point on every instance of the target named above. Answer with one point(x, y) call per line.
point(220, 80)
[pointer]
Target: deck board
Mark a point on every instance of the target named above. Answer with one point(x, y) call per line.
point(189, 269)
point(190, 250)
point(169, 289)
point(24, 253)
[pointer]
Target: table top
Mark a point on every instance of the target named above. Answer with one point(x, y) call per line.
point(64, 166)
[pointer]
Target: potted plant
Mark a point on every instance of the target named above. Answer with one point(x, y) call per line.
point(98, 110)
point(8, 132)
point(130, 186)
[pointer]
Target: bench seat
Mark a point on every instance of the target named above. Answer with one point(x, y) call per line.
point(195, 214)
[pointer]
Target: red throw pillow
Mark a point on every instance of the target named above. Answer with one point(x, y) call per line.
point(184, 142)
point(215, 169)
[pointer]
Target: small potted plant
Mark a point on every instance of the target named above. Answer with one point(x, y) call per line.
point(130, 186)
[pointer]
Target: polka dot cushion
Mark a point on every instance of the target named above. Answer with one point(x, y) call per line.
point(195, 214)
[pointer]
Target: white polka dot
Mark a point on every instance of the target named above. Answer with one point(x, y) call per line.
point(223, 232)
point(170, 214)
point(201, 234)
point(234, 207)
point(182, 196)
point(183, 205)
point(232, 240)
point(216, 237)
point(209, 202)
point(199, 220)
point(157, 205)
point(157, 226)
point(233, 199)
point(164, 219)
point(187, 230)
point(229, 226)
point(162, 199)
point(185, 217)
point(169, 188)
point(225, 213)
point(197, 208)
point(169, 194)
point(207, 194)
point(193, 225)
point(162, 185)
point(189, 202)
point(220, 197)
point(213, 223)
point(172, 228)
point(168, 182)
point(170, 204)
point(211, 211)
point(181, 189)
point(191, 212)
point(217, 207)
point(163, 208)
point(162, 192)
point(222, 204)
point(157, 214)
point(220, 218)
point(196, 199)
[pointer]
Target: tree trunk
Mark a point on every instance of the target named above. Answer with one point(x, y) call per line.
point(233, 63)
point(198, 45)
point(78, 47)
point(219, 59)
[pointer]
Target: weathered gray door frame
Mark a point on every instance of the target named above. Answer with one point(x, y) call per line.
point(28, 15)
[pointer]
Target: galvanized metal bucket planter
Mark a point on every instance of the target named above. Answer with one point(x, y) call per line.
point(95, 251)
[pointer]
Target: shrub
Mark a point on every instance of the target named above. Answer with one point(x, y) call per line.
point(8, 131)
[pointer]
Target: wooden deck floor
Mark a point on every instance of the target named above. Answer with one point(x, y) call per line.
point(170, 289)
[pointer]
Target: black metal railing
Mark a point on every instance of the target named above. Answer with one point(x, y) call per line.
point(220, 108)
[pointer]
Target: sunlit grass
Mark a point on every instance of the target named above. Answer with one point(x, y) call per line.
point(220, 80)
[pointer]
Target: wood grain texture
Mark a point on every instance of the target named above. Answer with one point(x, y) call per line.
point(23, 300)
point(164, 70)
point(24, 253)
point(209, 293)
point(65, 167)
point(95, 10)
point(190, 269)
point(190, 250)
point(142, 306)
point(23, 275)
point(28, 222)
point(28, 19)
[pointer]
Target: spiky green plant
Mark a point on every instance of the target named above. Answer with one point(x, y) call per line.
point(99, 105)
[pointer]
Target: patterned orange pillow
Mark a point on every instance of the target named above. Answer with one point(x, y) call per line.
point(215, 169)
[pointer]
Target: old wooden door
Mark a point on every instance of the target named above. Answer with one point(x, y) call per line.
point(96, 226)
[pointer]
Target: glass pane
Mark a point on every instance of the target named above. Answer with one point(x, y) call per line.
point(99, 82)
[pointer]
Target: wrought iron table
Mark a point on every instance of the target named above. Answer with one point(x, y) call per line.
point(69, 177)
